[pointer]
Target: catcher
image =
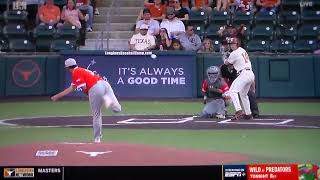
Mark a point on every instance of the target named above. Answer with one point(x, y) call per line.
point(215, 94)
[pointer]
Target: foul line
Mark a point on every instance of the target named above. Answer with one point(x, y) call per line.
point(283, 121)
point(59, 126)
point(297, 126)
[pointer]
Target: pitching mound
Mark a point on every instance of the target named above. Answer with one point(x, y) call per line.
point(110, 154)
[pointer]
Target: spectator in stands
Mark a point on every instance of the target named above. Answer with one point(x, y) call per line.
point(162, 40)
point(173, 25)
point(142, 41)
point(157, 10)
point(94, 6)
point(201, 5)
point(241, 5)
point(180, 12)
point(184, 3)
point(222, 5)
point(228, 32)
point(148, 3)
point(86, 8)
point(49, 14)
point(268, 5)
point(176, 45)
point(189, 40)
point(206, 46)
point(71, 14)
point(152, 24)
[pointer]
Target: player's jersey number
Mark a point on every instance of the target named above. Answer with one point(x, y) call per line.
point(245, 57)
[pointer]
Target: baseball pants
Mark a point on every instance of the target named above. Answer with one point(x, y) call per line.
point(241, 86)
point(97, 96)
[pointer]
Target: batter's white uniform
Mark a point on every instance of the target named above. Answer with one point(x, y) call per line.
point(241, 63)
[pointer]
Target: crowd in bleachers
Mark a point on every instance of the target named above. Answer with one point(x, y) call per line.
point(45, 25)
point(278, 26)
point(262, 25)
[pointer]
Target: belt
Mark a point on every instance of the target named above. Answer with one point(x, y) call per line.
point(246, 69)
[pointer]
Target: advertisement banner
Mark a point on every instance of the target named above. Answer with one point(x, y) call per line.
point(143, 75)
point(272, 171)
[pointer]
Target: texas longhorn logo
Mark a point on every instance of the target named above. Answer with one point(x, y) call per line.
point(18, 172)
point(26, 73)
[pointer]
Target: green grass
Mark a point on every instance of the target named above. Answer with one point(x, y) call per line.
point(264, 146)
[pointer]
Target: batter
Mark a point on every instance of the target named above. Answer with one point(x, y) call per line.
point(239, 58)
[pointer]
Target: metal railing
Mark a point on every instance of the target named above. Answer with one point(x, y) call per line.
point(114, 9)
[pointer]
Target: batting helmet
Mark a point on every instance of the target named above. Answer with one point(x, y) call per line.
point(234, 40)
point(213, 73)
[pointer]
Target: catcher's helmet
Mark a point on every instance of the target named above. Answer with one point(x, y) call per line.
point(213, 73)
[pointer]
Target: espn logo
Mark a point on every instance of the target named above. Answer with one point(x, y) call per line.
point(18, 172)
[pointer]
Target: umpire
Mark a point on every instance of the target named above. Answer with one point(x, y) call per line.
point(230, 74)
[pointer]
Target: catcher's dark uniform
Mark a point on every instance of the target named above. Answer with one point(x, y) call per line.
point(230, 74)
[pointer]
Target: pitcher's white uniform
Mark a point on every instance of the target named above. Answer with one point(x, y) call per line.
point(241, 63)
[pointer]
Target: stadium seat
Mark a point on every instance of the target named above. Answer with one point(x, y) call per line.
point(15, 31)
point(216, 45)
point(289, 17)
point(68, 32)
point(310, 17)
point(286, 32)
point(21, 45)
point(62, 44)
point(211, 31)
point(43, 36)
point(308, 31)
point(199, 29)
point(247, 34)
point(220, 17)
point(305, 46)
point(292, 5)
point(240, 17)
point(267, 18)
point(13, 16)
point(197, 17)
point(60, 3)
point(262, 32)
point(281, 46)
point(258, 46)
point(4, 45)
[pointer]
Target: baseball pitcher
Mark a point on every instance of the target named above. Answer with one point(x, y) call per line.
point(98, 90)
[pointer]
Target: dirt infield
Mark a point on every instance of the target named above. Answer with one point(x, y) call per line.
point(113, 154)
point(171, 122)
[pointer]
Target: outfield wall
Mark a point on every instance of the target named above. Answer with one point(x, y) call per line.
point(177, 74)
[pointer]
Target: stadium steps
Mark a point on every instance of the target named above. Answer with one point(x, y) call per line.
point(122, 25)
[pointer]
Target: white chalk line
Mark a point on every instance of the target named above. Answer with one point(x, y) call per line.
point(282, 121)
point(156, 121)
point(205, 121)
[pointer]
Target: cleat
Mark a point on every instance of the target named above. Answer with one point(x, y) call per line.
point(237, 115)
point(97, 140)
